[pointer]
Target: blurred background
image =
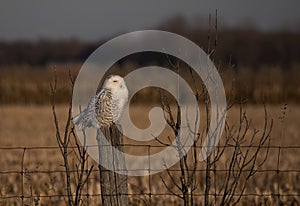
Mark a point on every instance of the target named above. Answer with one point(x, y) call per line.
point(256, 44)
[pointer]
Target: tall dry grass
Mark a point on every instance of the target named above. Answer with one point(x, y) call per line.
point(27, 85)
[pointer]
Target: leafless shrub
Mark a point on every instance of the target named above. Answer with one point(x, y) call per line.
point(64, 138)
point(246, 150)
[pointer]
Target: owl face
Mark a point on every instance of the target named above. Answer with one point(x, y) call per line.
point(114, 82)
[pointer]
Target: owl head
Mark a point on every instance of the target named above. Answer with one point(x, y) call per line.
point(114, 82)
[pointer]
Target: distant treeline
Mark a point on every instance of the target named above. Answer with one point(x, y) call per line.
point(44, 52)
point(242, 47)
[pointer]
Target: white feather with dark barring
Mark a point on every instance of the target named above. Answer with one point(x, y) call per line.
point(106, 107)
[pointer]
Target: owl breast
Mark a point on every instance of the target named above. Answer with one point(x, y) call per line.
point(109, 107)
point(104, 108)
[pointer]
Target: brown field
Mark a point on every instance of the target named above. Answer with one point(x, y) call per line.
point(28, 132)
point(32, 171)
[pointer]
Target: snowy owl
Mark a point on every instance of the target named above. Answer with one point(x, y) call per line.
point(106, 106)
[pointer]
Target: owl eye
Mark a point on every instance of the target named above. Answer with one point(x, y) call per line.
point(115, 81)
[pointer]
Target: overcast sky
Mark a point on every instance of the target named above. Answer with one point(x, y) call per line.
point(92, 20)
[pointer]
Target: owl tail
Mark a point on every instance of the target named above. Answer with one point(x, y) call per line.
point(84, 120)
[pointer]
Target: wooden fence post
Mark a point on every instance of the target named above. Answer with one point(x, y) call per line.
point(114, 189)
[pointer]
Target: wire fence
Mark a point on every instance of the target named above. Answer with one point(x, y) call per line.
point(27, 179)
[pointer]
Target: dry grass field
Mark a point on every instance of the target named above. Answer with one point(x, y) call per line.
point(30, 131)
point(31, 164)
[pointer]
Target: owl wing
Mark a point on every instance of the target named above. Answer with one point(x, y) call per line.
point(93, 114)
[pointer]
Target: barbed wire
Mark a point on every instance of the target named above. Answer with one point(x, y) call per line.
point(146, 145)
point(269, 192)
